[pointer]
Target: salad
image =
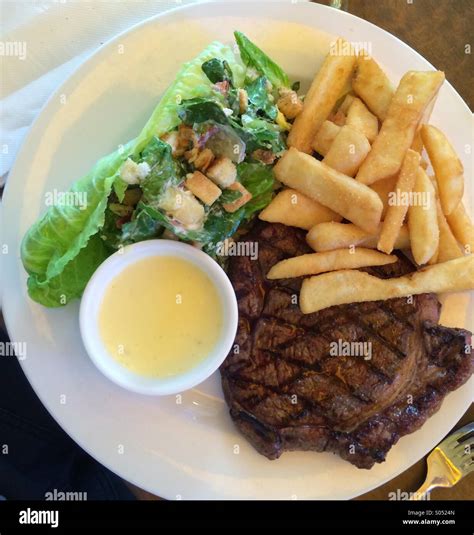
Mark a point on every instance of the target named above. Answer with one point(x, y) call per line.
point(199, 169)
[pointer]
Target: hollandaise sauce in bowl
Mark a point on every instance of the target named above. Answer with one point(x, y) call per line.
point(158, 317)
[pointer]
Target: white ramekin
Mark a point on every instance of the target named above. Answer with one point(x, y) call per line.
point(93, 296)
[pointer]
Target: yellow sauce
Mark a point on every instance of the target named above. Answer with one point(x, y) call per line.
point(160, 316)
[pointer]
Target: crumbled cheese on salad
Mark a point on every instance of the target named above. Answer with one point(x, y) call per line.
point(132, 172)
point(183, 206)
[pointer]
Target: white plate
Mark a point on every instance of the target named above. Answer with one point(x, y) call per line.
point(185, 447)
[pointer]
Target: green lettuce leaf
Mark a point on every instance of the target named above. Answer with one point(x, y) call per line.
point(218, 70)
point(259, 180)
point(261, 134)
point(229, 195)
point(200, 110)
point(256, 131)
point(110, 233)
point(142, 227)
point(70, 283)
point(63, 232)
point(191, 82)
point(259, 98)
point(253, 57)
point(164, 169)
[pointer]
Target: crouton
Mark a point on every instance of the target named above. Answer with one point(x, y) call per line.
point(181, 141)
point(203, 188)
point(191, 155)
point(243, 199)
point(132, 196)
point(265, 156)
point(203, 160)
point(222, 172)
point(289, 103)
point(187, 138)
point(243, 101)
point(172, 139)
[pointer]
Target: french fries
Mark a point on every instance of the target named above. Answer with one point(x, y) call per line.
point(340, 193)
point(325, 137)
point(396, 212)
point(372, 86)
point(314, 263)
point(352, 286)
point(348, 151)
point(434, 258)
point(391, 186)
point(417, 146)
point(361, 119)
point(330, 236)
point(446, 165)
point(294, 209)
point(427, 113)
point(417, 140)
point(448, 248)
point(423, 219)
point(321, 98)
point(415, 91)
point(338, 118)
point(462, 227)
point(383, 188)
point(346, 103)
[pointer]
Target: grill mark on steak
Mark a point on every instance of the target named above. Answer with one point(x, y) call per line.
point(286, 392)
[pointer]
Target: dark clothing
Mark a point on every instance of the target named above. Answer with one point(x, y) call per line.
point(36, 456)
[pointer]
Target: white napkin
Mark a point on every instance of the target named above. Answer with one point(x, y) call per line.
point(43, 43)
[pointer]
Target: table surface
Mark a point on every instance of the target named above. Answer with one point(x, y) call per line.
point(440, 31)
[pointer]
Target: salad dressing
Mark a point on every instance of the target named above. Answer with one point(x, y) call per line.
point(160, 316)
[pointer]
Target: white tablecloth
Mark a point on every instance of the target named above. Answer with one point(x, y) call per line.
point(42, 43)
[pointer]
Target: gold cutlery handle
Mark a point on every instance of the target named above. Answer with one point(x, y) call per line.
point(441, 473)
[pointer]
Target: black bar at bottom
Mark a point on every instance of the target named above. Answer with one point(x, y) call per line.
point(143, 516)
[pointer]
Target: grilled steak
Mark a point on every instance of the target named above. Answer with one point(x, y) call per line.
point(290, 383)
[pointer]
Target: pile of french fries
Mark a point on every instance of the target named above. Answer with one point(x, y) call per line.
point(356, 177)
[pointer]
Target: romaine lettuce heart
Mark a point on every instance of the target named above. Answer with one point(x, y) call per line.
point(52, 244)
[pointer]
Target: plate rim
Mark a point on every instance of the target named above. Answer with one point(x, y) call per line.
point(78, 73)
